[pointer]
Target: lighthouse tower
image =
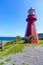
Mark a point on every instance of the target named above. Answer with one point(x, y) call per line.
point(31, 28)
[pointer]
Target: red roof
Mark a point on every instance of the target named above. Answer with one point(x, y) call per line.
point(31, 9)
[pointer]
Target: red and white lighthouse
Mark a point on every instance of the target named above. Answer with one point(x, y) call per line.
point(31, 28)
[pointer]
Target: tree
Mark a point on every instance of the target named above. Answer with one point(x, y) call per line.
point(17, 39)
point(28, 39)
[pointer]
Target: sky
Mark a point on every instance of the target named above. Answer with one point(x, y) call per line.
point(13, 14)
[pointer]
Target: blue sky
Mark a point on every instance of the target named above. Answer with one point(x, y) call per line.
point(13, 14)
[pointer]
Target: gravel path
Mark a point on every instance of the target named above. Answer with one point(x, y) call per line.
point(29, 56)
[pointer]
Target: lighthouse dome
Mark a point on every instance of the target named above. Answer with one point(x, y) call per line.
point(31, 11)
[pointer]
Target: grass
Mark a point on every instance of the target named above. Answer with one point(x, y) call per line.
point(40, 41)
point(24, 64)
point(14, 64)
point(7, 60)
point(9, 48)
point(1, 63)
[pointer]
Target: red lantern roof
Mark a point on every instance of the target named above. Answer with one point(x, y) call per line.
point(31, 9)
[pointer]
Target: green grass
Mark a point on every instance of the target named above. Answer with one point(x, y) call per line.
point(1, 63)
point(7, 60)
point(40, 41)
point(24, 64)
point(14, 64)
point(9, 48)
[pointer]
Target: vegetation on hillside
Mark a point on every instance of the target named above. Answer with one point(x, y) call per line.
point(9, 48)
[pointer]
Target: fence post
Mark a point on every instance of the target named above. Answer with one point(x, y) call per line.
point(1, 45)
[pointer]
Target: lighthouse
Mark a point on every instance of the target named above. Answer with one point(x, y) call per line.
point(31, 27)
